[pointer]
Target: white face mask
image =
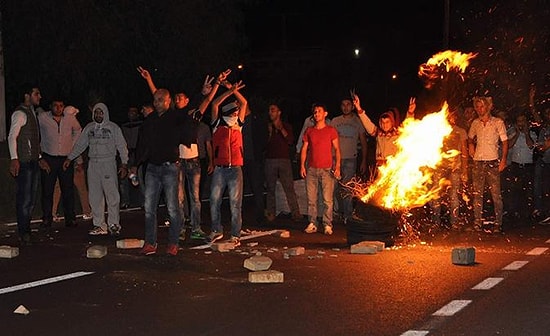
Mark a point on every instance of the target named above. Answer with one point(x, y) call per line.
point(230, 121)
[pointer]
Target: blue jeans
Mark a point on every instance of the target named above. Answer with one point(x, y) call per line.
point(348, 167)
point(158, 178)
point(191, 172)
point(25, 195)
point(486, 171)
point(232, 178)
point(314, 178)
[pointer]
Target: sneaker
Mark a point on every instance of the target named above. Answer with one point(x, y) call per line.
point(545, 221)
point(311, 228)
point(98, 231)
point(236, 241)
point(114, 230)
point(87, 216)
point(328, 230)
point(172, 249)
point(166, 223)
point(57, 218)
point(198, 234)
point(149, 249)
point(215, 236)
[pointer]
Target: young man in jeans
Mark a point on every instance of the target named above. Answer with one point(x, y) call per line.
point(318, 144)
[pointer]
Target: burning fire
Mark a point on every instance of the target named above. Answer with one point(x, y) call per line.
point(405, 181)
point(452, 60)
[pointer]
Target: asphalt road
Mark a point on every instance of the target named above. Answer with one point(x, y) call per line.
point(408, 289)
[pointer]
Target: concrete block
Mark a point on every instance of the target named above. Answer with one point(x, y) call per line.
point(282, 233)
point(296, 251)
point(363, 249)
point(223, 247)
point(129, 243)
point(258, 263)
point(463, 256)
point(380, 246)
point(96, 252)
point(8, 251)
point(270, 276)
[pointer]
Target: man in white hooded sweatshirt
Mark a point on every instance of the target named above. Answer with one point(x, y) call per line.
point(104, 139)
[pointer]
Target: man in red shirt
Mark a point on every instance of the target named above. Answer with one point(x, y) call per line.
point(320, 142)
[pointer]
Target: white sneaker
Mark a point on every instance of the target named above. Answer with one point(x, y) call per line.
point(87, 216)
point(328, 230)
point(545, 221)
point(98, 231)
point(311, 228)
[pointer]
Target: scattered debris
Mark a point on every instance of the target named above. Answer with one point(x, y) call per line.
point(21, 310)
point(296, 251)
point(252, 244)
point(380, 246)
point(463, 256)
point(223, 246)
point(361, 248)
point(258, 263)
point(96, 252)
point(129, 243)
point(270, 276)
point(8, 251)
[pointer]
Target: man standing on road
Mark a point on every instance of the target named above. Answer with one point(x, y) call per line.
point(104, 139)
point(59, 132)
point(24, 146)
point(318, 144)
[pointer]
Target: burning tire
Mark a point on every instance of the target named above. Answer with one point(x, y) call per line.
point(370, 222)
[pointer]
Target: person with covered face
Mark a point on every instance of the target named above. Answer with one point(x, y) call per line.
point(227, 143)
point(104, 139)
point(387, 131)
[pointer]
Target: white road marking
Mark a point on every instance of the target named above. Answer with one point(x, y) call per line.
point(488, 283)
point(514, 266)
point(43, 282)
point(537, 251)
point(452, 308)
point(548, 241)
point(415, 333)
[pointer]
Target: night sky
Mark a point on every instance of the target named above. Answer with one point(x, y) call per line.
point(293, 52)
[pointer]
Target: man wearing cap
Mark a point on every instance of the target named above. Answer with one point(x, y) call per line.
point(227, 143)
point(59, 132)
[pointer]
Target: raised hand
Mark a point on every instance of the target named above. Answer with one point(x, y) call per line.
point(223, 75)
point(355, 100)
point(207, 85)
point(144, 72)
point(237, 86)
point(412, 105)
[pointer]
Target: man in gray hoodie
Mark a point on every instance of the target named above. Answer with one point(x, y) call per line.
point(104, 139)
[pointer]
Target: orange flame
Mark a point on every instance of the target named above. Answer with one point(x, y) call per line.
point(405, 180)
point(452, 60)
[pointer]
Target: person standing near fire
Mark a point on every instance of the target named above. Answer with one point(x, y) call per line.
point(350, 133)
point(484, 137)
point(319, 142)
point(387, 131)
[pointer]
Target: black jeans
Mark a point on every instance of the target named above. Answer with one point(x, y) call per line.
point(66, 185)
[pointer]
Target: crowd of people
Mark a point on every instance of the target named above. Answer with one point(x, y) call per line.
point(171, 155)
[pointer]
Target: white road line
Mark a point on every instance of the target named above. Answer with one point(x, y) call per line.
point(514, 266)
point(452, 308)
point(488, 283)
point(415, 333)
point(43, 282)
point(537, 251)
